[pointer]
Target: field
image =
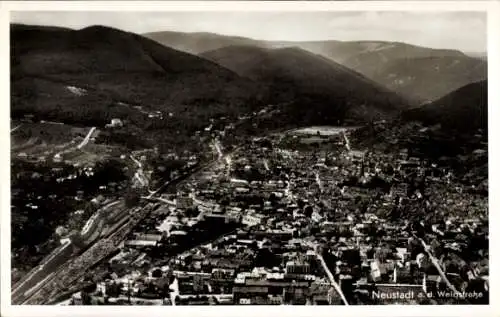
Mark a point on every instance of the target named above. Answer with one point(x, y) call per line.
point(55, 141)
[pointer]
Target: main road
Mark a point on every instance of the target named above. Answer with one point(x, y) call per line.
point(329, 274)
point(436, 264)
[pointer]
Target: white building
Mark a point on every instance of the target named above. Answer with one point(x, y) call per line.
point(115, 123)
point(239, 182)
point(252, 219)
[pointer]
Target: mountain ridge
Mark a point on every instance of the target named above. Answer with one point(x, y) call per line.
point(463, 109)
point(309, 78)
point(125, 64)
point(372, 59)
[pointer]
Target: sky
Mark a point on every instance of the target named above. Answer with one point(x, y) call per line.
point(465, 31)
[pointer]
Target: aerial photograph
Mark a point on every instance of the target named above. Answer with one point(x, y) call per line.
point(249, 158)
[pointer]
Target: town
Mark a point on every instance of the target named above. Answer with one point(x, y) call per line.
point(300, 217)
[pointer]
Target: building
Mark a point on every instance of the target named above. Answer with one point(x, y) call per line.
point(222, 274)
point(297, 267)
point(184, 202)
point(252, 219)
point(115, 123)
point(76, 299)
point(140, 244)
point(274, 234)
point(255, 287)
point(148, 236)
point(239, 182)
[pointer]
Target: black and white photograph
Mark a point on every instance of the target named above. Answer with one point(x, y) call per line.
point(180, 158)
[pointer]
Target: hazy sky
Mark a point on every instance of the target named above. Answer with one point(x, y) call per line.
point(465, 31)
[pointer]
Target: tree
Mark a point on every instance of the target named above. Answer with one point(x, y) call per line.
point(301, 203)
point(132, 198)
point(266, 258)
point(86, 299)
point(157, 273)
point(113, 290)
point(308, 211)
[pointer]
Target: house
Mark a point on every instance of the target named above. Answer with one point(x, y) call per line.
point(115, 123)
point(252, 219)
point(239, 182)
point(297, 267)
point(76, 299)
point(184, 202)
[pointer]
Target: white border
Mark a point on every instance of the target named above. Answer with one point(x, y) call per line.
point(493, 9)
point(279, 6)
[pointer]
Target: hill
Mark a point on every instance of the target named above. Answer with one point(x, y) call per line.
point(464, 109)
point(115, 66)
point(410, 70)
point(318, 86)
point(451, 129)
point(418, 73)
point(425, 79)
point(199, 42)
point(480, 55)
